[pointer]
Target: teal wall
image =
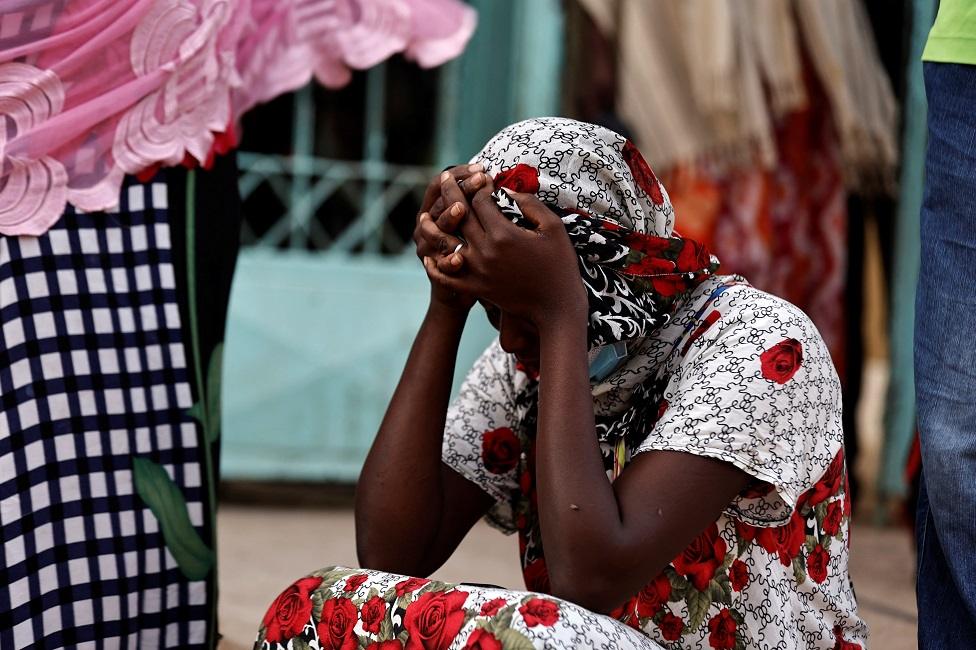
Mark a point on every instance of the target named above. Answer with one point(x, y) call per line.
point(316, 340)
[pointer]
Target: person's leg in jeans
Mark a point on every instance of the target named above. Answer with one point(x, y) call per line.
point(945, 363)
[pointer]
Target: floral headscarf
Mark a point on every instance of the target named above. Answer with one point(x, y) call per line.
point(617, 214)
point(620, 221)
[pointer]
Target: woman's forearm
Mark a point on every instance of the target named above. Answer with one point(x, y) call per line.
point(578, 509)
point(400, 486)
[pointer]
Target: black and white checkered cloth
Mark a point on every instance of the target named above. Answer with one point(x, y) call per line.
point(93, 371)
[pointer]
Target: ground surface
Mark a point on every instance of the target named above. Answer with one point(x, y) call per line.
point(263, 549)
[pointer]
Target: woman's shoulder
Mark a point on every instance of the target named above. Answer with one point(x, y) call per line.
point(730, 323)
point(729, 307)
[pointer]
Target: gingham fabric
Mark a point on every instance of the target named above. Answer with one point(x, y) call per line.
point(93, 372)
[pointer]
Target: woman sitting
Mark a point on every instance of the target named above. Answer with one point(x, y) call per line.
point(666, 442)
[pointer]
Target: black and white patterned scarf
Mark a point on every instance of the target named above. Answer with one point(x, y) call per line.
point(620, 221)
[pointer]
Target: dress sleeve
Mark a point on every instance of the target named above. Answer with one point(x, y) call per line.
point(480, 442)
point(757, 389)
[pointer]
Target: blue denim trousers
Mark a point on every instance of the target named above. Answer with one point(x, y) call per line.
point(945, 364)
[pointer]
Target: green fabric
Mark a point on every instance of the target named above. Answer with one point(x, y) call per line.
point(953, 37)
point(900, 401)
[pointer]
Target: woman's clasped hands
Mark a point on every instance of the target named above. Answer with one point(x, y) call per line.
point(472, 251)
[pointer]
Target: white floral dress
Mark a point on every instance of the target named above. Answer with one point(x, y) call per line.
point(745, 378)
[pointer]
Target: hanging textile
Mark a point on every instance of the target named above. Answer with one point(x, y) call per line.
point(93, 90)
point(900, 403)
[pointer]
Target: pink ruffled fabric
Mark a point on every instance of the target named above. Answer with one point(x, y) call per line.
point(92, 90)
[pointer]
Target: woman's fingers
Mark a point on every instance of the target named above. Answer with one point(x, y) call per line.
point(433, 191)
point(432, 241)
point(453, 283)
point(534, 210)
point(455, 201)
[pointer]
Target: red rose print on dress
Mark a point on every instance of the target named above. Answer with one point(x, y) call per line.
point(780, 362)
point(434, 620)
point(662, 408)
point(701, 559)
point(841, 644)
point(385, 645)
point(653, 596)
point(641, 171)
point(671, 627)
point(372, 614)
point(410, 584)
point(817, 564)
point(744, 531)
point(520, 178)
point(784, 540)
point(722, 628)
point(833, 518)
point(355, 582)
point(757, 490)
point(540, 611)
point(628, 610)
point(707, 322)
point(482, 639)
point(830, 483)
point(337, 627)
point(738, 575)
point(500, 450)
point(492, 606)
point(290, 611)
point(536, 576)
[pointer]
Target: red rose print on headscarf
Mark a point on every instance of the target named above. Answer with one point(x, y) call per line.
point(721, 630)
point(355, 582)
point(833, 518)
point(434, 620)
point(701, 559)
point(482, 639)
point(817, 563)
point(410, 584)
point(520, 178)
point(693, 257)
point(784, 540)
point(372, 614)
point(539, 611)
point(337, 627)
point(641, 171)
point(653, 596)
point(492, 606)
point(780, 362)
point(738, 575)
point(650, 266)
point(290, 611)
point(671, 627)
point(500, 450)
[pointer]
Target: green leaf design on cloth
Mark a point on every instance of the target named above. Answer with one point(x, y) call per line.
point(207, 410)
point(698, 603)
point(514, 640)
point(164, 498)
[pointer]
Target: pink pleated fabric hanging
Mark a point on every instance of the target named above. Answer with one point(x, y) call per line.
point(92, 90)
